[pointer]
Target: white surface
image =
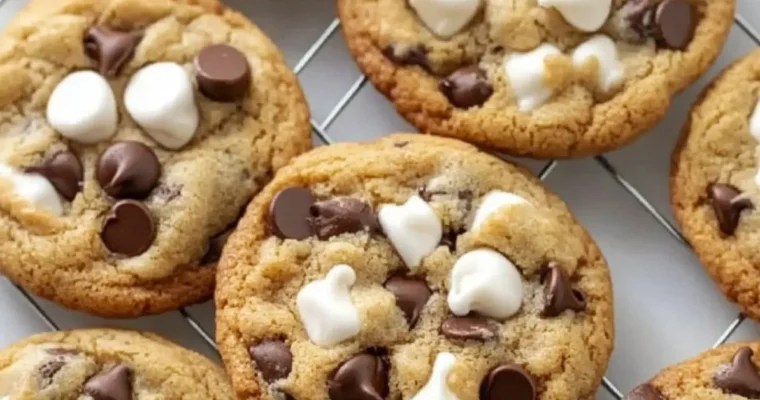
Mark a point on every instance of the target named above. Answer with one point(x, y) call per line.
point(667, 309)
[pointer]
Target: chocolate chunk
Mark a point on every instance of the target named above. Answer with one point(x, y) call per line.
point(363, 377)
point(674, 23)
point(727, 206)
point(644, 392)
point(129, 229)
point(64, 171)
point(466, 87)
point(128, 170)
point(415, 55)
point(740, 377)
point(638, 16)
point(109, 49)
point(115, 384)
point(449, 239)
point(215, 247)
point(469, 328)
point(223, 73)
point(510, 379)
point(411, 296)
point(342, 215)
point(290, 212)
point(48, 371)
point(273, 359)
point(559, 294)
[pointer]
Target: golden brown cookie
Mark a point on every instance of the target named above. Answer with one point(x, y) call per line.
point(538, 78)
point(412, 267)
point(132, 133)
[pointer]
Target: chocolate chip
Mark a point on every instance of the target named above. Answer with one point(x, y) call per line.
point(128, 170)
point(466, 87)
point(273, 359)
point(740, 377)
point(342, 215)
point(411, 296)
point(109, 49)
point(64, 171)
point(727, 206)
point(115, 384)
point(215, 247)
point(363, 377)
point(48, 371)
point(469, 328)
point(400, 144)
point(223, 73)
point(415, 55)
point(638, 17)
point(510, 379)
point(129, 229)
point(559, 294)
point(644, 392)
point(290, 212)
point(427, 194)
point(449, 239)
point(674, 22)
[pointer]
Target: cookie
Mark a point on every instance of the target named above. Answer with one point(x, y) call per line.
point(132, 133)
point(107, 364)
point(727, 372)
point(539, 78)
point(714, 181)
point(412, 267)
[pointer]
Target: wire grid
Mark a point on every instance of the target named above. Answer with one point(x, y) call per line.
point(320, 130)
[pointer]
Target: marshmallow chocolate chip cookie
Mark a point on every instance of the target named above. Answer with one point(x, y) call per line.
point(539, 78)
point(413, 267)
point(132, 133)
point(107, 364)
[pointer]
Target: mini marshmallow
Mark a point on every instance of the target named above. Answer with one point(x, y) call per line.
point(445, 18)
point(35, 189)
point(486, 282)
point(754, 123)
point(83, 108)
point(585, 15)
point(160, 99)
point(493, 202)
point(611, 70)
point(413, 229)
point(436, 387)
point(326, 309)
point(525, 72)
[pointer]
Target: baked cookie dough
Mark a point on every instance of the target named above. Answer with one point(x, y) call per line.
point(132, 133)
point(538, 78)
point(412, 267)
point(107, 364)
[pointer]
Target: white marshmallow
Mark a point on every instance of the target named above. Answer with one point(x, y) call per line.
point(413, 229)
point(586, 15)
point(326, 309)
point(83, 108)
point(35, 189)
point(445, 18)
point(493, 202)
point(436, 387)
point(611, 70)
point(754, 123)
point(486, 282)
point(160, 99)
point(526, 72)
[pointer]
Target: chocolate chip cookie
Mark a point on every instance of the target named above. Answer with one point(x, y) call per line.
point(107, 364)
point(412, 267)
point(714, 181)
point(132, 133)
point(538, 78)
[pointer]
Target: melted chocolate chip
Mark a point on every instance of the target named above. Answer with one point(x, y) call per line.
point(559, 294)
point(510, 379)
point(644, 392)
point(449, 239)
point(740, 377)
point(469, 328)
point(727, 205)
point(363, 377)
point(273, 359)
point(290, 212)
point(48, 370)
point(109, 49)
point(411, 296)
point(415, 55)
point(115, 384)
point(342, 215)
point(466, 87)
point(64, 171)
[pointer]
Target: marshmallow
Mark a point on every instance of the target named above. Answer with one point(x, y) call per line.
point(611, 70)
point(160, 99)
point(436, 387)
point(754, 123)
point(445, 18)
point(83, 108)
point(525, 72)
point(586, 15)
point(413, 229)
point(486, 282)
point(493, 202)
point(35, 189)
point(326, 309)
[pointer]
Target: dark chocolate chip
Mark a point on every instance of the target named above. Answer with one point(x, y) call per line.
point(449, 239)
point(215, 247)
point(128, 170)
point(466, 87)
point(415, 55)
point(427, 194)
point(559, 294)
point(511, 379)
point(48, 371)
point(644, 392)
point(273, 359)
point(64, 171)
point(638, 16)
point(109, 49)
point(411, 296)
point(342, 215)
point(727, 206)
point(740, 377)
point(469, 328)
point(223, 73)
point(675, 22)
point(129, 229)
point(115, 384)
point(290, 212)
point(363, 377)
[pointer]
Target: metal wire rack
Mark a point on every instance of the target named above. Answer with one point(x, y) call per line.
point(321, 131)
